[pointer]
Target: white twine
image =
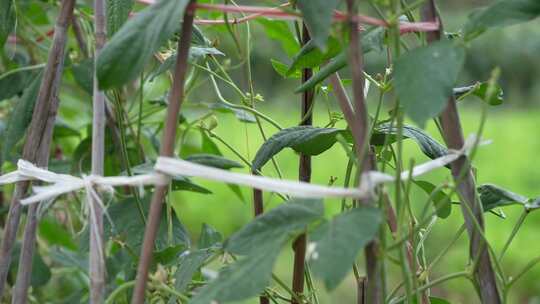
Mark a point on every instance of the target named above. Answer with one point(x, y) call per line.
point(167, 167)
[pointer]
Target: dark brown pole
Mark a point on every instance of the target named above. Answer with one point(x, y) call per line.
point(374, 290)
point(36, 150)
point(176, 98)
point(461, 171)
point(304, 174)
point(258, 209)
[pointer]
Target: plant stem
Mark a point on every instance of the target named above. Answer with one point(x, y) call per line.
point(452, 133)
point(36, 149)
point(97, 256)
point(167, 149)
point(518, 224)
point(304, 174)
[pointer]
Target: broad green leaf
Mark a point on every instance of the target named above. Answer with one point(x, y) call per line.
point(189, 264)
point(7, 20)
point(209, 146)
point(333, 246)
point(126, 54)
point(15, 83)
point(481, 90)
point(317, 16)
point(493, 196)
point(424, 79)
point(62, 129)
point(279, 31)
point(209, 237)
point(442, 202)
point(310, 56)
point(72, 259)
point(55, 234)
point(215, 161)
point(241, 280)
point(117, 14)
point(282, 70)
point(429, 146)
point(20, 118)
point(83, 73)
point(168, 256)
point(305, 139)
point(275, 225)
point(41, 273)
point(182, 183)
point(128, 226)
point(501, 13)
point(240, 114)
point(371, 41)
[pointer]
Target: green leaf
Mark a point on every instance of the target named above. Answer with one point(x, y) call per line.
point(371, 41)
point(318, 18)
point(209, 237)
point(195, 53)
point(41, 273)
point(481, 90)
point(493, 196)
point(179, 183)
point(168, 256)
point(424, 79)
point(282, 70)
point(215, 161)
point(83, 73)
point(7, 20)
point(20, 118)
point(182, 183)
point(126, 54)
point(501, 13)
point(279, 31)
point(243, 279)
point(117, 14)
point(15, 83)
point(55, 234)
point(429, 146)
point(128, 226)
point(305, 139)
point(241, 115)
point(533, 204)
point(442, 202)
point(334, 246)
point(310, 56)
point(275, 225)
point(188, 264)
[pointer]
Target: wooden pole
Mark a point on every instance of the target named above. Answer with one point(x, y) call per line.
point(176, 98)
point(461, 171)
point(36, 149)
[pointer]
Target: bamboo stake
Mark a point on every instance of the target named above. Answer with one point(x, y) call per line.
point(36, 149)
point(461, 171)
point(304, 175)
point(176, 98)
point(374, 288)
point(97, 256)
point(258, 209)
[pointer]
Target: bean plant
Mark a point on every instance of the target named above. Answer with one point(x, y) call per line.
point(109, 87)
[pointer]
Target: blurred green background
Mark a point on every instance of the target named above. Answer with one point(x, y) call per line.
point(510, 161)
